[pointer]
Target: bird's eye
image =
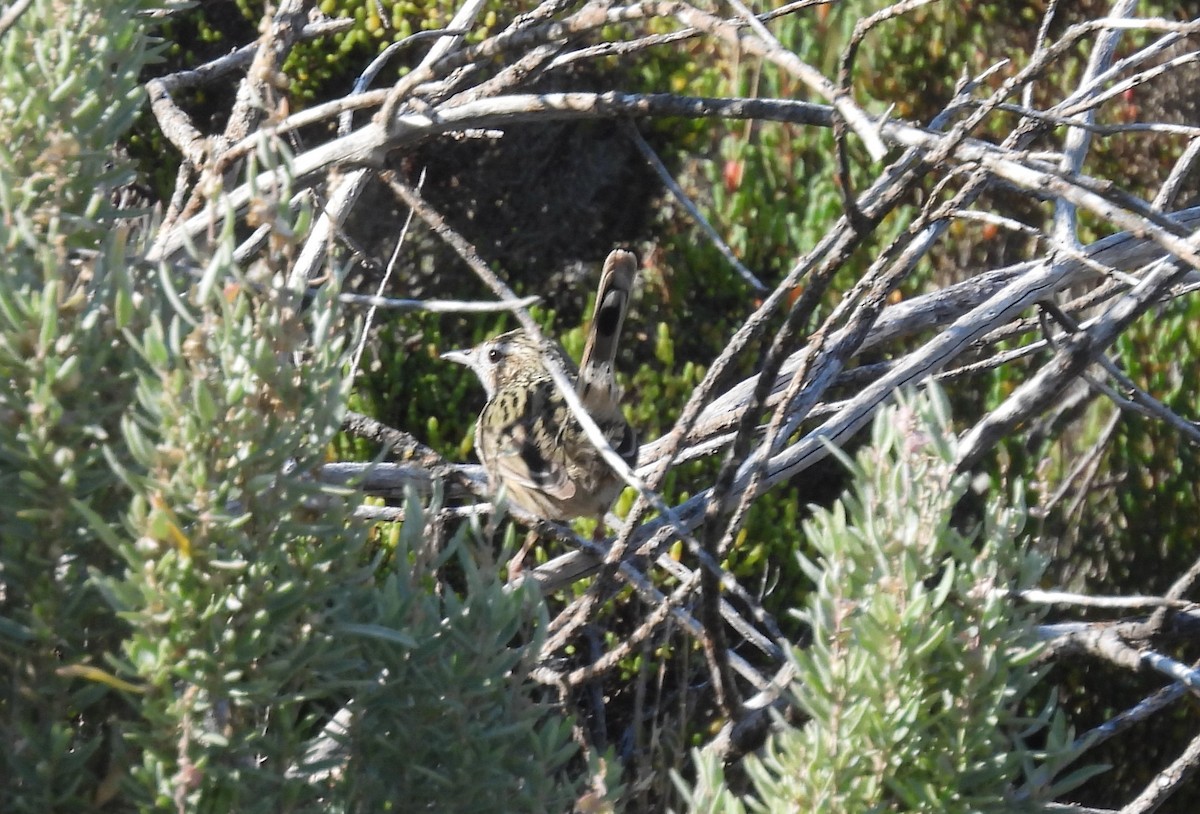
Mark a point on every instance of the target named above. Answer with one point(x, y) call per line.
point(494, 355)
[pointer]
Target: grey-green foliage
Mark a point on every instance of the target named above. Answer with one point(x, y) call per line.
point(916, 687)
point(447, 721)
point(255, 613)
point(182, 604)
point(68, 92)
point(68, 88)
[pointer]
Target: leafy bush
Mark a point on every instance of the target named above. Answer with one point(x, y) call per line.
point(917, 684)
point(184, 607)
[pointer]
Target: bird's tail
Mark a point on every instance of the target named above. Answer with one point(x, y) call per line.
point(597, 385)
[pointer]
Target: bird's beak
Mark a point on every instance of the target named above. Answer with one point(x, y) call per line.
point(461, 357)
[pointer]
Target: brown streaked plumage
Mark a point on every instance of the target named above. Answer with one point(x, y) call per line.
point(527, 438)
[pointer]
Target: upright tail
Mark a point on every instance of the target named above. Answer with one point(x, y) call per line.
point(597, 385)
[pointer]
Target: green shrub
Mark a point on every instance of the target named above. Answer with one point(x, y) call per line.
point(916, 688)
point(183, 604)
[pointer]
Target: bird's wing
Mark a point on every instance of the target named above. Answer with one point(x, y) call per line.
point(529, 451)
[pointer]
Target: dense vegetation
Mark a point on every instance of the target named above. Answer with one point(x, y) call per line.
point(221, 589)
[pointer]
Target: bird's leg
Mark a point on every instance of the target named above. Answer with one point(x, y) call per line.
point(517, 564)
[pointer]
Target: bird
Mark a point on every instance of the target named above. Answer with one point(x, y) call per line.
point(527, 438)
